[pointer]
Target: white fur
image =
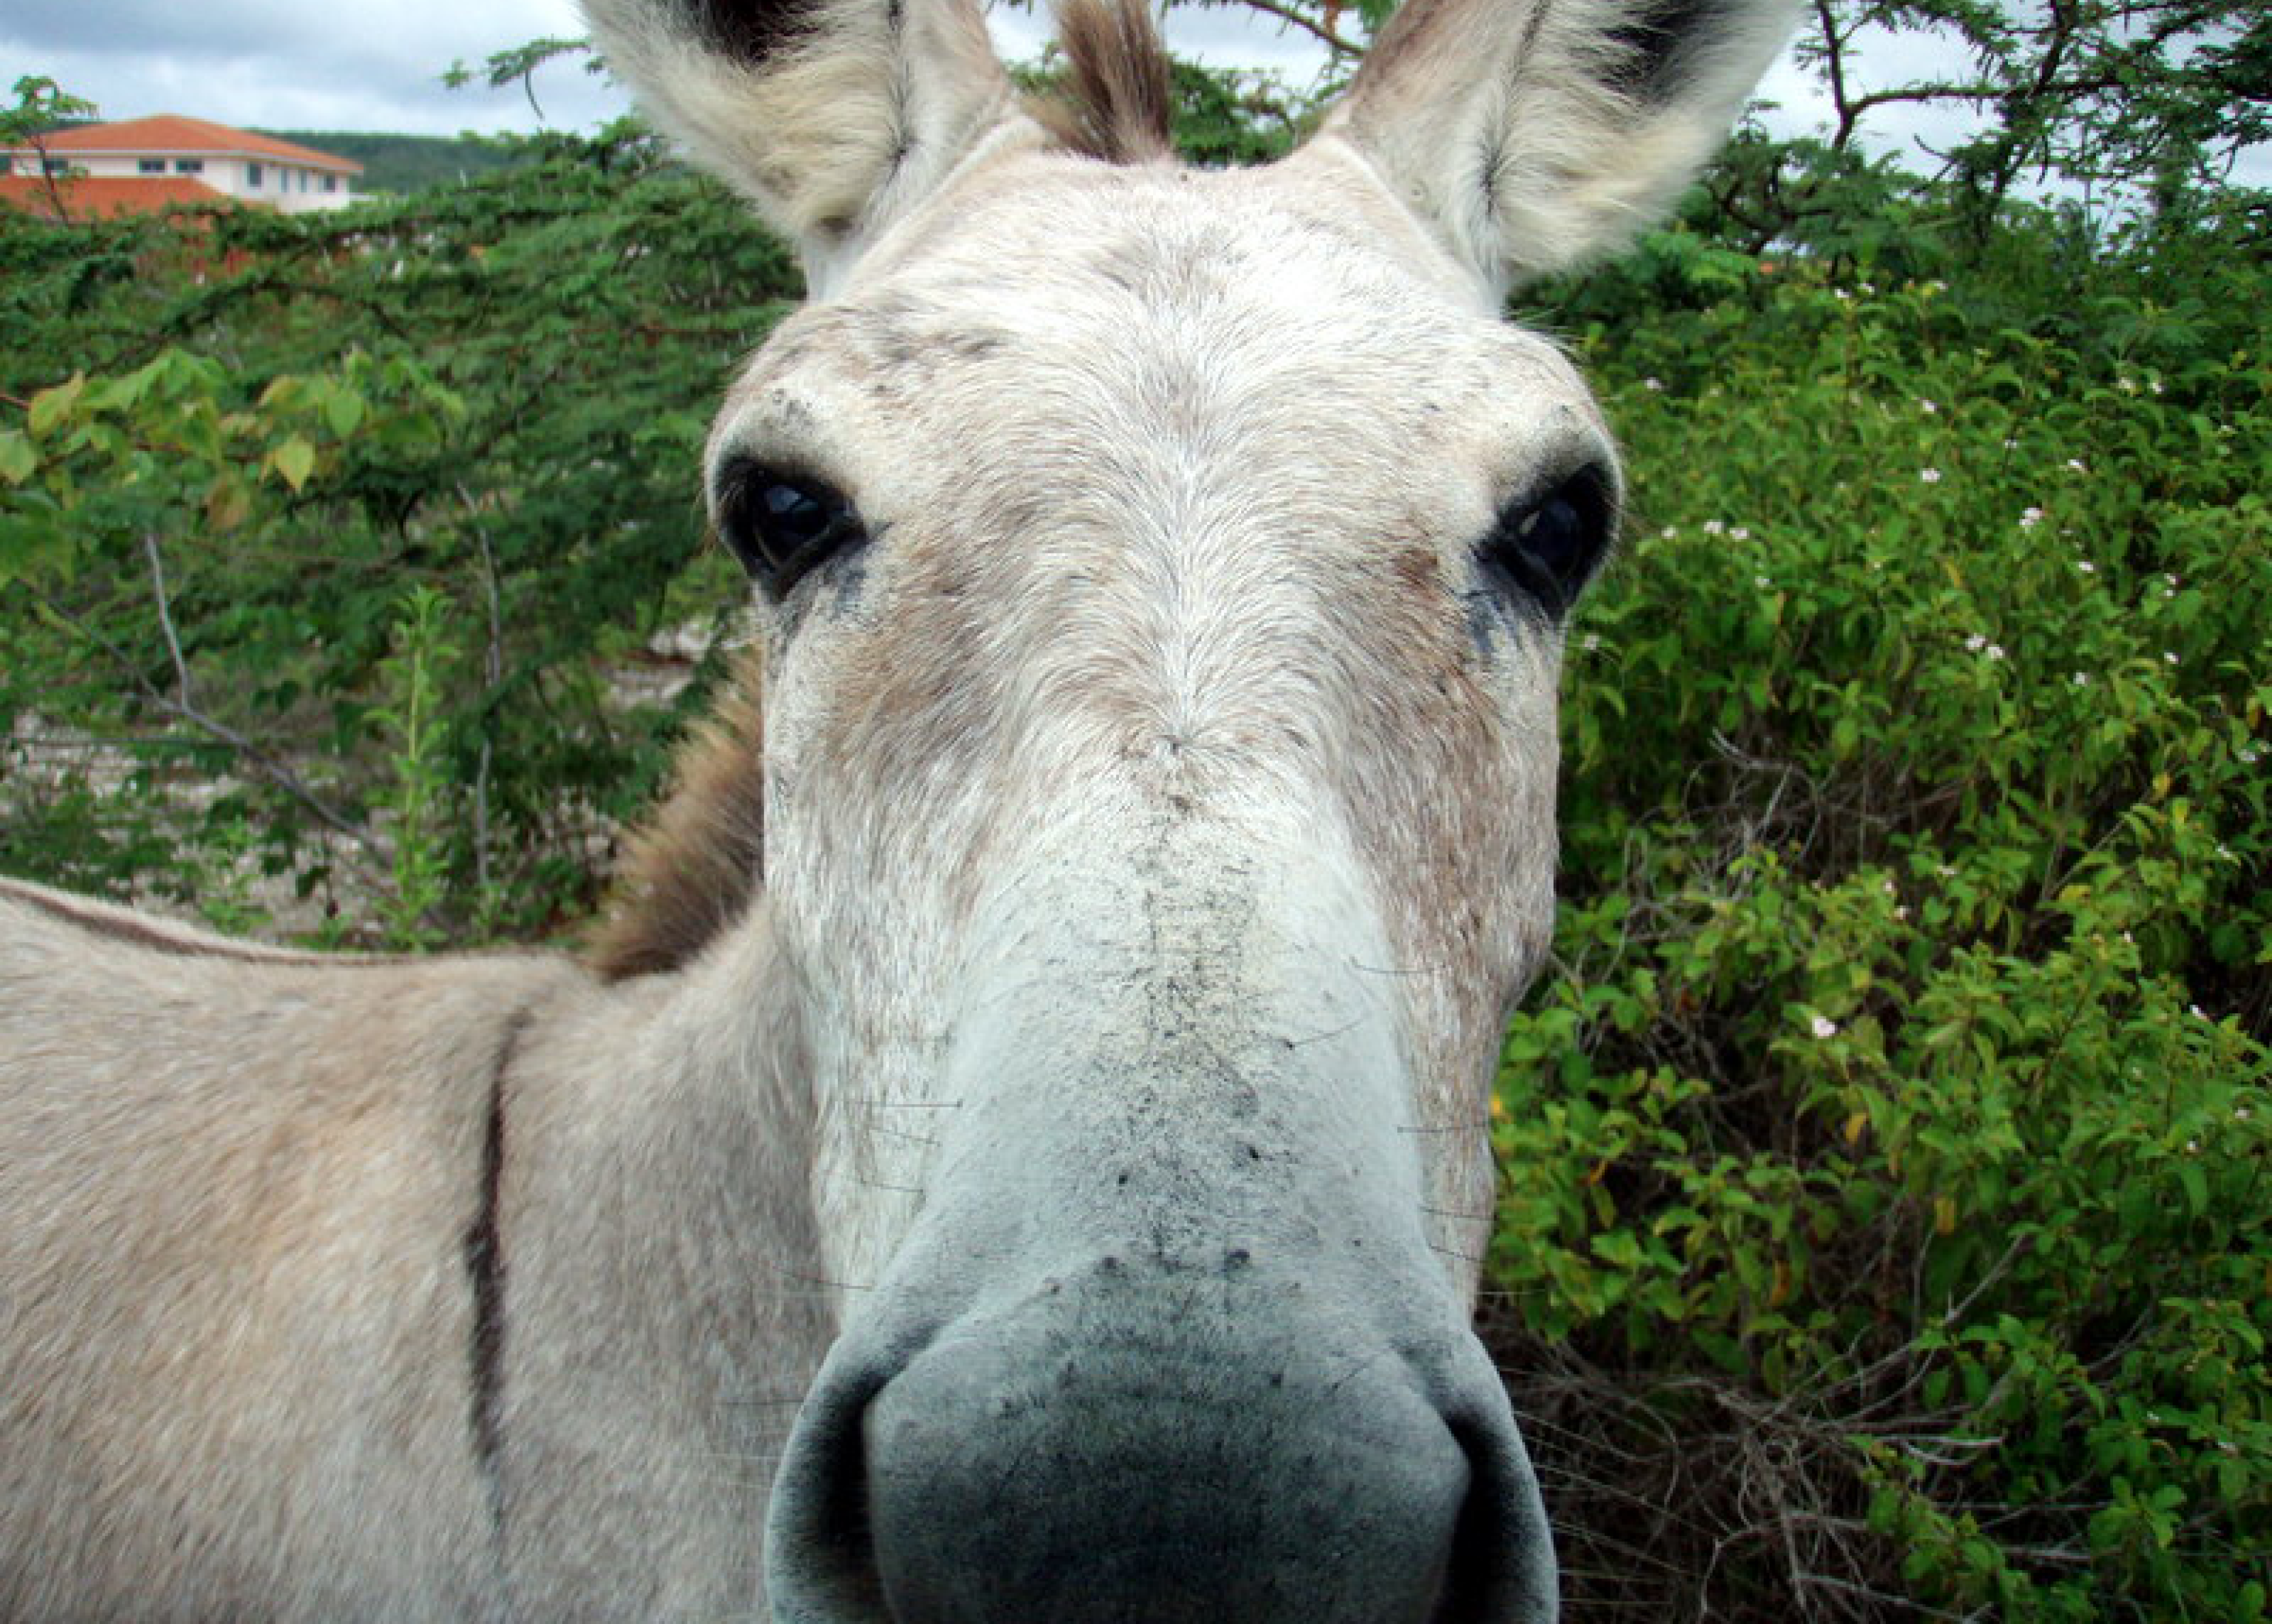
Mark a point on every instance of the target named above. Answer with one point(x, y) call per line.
point(1502, 124)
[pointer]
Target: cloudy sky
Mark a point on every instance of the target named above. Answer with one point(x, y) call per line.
point(295, 65)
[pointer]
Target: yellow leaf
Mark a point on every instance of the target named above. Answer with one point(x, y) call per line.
point(51, 407)
point(1944, 1216)
point(1855, 1124)
point(294, 460)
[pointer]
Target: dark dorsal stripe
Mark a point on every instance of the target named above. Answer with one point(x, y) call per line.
point(485, 1271)
point(181, 941)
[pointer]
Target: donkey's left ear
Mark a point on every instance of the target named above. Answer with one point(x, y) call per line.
point(834, 116)
point(1534, 134)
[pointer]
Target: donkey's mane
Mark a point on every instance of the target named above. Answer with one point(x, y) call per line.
point(1117, 93)
point(695, 867)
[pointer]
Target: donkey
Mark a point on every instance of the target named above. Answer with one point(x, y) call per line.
point(1018, 1151)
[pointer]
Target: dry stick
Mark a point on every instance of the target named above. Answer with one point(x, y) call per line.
point(1287, 14)
point(493, 668)
point(166, 613)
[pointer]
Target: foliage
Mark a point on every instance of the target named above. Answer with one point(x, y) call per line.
point(240, 439)
point(1886, 1163)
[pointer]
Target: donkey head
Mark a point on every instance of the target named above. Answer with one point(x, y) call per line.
point(1162, 577)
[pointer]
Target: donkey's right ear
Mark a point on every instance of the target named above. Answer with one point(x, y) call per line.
point(1534, 134)
point(834, 116)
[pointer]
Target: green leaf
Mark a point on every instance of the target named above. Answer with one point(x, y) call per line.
point(18, 460)
point(344, 409)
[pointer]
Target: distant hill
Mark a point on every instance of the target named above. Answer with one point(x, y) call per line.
point(400, 163)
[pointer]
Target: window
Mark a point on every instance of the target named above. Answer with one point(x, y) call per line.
point(152, 166)
point(189, 166)
point(331, 183)
point(252, 175)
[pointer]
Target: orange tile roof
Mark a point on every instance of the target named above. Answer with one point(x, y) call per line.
point(168, 132)
point(86, 196)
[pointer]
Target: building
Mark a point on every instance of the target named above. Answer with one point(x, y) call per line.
point(152, 163)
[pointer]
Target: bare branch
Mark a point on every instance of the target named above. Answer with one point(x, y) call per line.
point(1338, 42)
point(166, 615)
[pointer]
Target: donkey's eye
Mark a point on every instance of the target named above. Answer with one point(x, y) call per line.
point(1549, 546)
point(780, 526)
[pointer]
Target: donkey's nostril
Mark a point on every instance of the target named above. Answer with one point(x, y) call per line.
point(1014, 1478)
point(1502, 1565)
point(820, 1557)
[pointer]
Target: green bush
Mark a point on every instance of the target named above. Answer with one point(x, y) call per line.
point(242, 441)
point(1885, 1195)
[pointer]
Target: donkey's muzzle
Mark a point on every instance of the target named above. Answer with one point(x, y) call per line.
point(1160, 1453)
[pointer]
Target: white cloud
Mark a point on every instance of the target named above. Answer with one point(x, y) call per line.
point(287, 65)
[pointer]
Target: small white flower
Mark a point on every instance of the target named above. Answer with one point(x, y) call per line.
point(1902, 911)
point(2011, 445)
point(1842, 295)
point(2128, 386)
point(1824, 1027)
point(2031, 517)
point(1713, 526)
point(2197, 1011)
point(1944, 870)
point(1975, 642)
point(2193, 1146)
point(1653, 384)
point(1928, 406)
point(1668, 533)
point(2082, 679)
point(2076, 465)
point(2170, 654)
point(1869, 287)
point(2125, 937)
point(2086, 566)
point(1739, 533)
point(2248, 755)
point(1995, 651)
point(1932, 477)
point(2153, 384)
point(1762, 583)
point(2241, 1114)
point(1589, 642)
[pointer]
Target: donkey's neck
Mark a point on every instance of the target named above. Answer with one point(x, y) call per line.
point(664, 1304)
